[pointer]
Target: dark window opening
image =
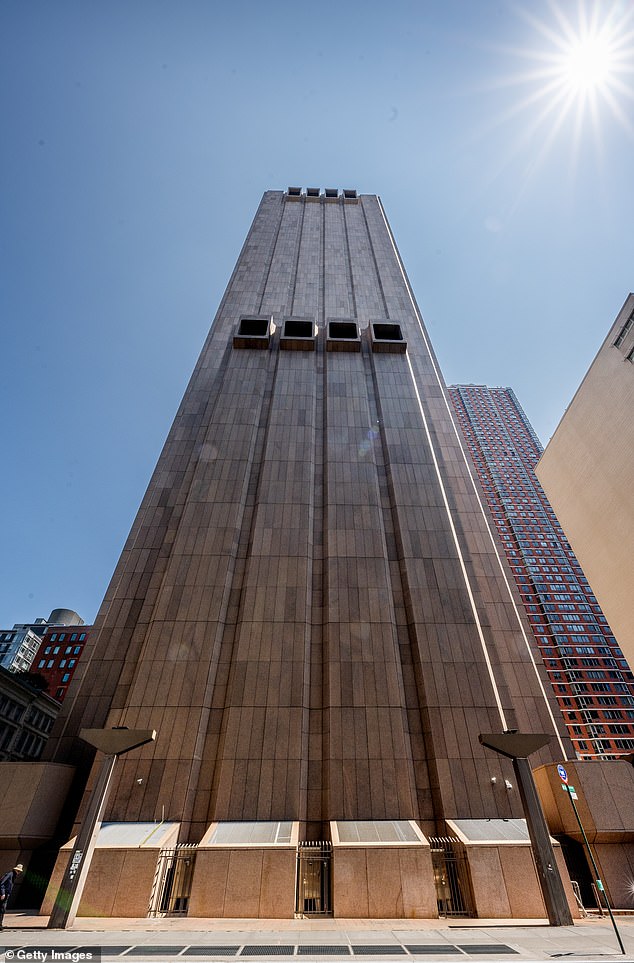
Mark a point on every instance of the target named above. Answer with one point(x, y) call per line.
point(388, 332)
point(253, 327)
point(299, 329)
point(343, 330)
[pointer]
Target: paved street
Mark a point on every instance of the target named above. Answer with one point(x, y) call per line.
point(161, 940)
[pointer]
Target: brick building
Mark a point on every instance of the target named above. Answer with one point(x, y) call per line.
point(591, 679)
point(58, 655)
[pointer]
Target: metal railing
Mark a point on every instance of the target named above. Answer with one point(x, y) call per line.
point(172, 881)
point(451, 877)
point(313, 893)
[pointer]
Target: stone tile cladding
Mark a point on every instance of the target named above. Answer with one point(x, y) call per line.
point(311, 609)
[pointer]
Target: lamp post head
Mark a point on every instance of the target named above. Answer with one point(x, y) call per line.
point(114, 742)
point(514, 744)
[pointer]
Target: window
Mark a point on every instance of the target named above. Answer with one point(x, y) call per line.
point(41, 663)
point(82, 636)
point(624, 331)
point(66, 677)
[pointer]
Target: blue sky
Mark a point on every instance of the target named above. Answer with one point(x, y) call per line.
point(138, 138)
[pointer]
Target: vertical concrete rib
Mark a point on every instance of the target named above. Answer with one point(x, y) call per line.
point(483, 520)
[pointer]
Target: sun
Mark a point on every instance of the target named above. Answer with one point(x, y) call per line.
point(580, 69)
point(589, 64)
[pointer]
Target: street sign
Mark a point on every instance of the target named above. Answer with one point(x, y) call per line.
point(571, 790)
point(563, 775)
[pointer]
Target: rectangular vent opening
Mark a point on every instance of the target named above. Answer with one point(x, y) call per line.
point(387, 337)
point(343, 335)
point(298, 334)
point(312, 191)
point(294, 192)
point(388, 332)
point(253, 332)
point(343, 330)
point(253, 327)
point(299, 329)
point(350, 195)
point(332, 192)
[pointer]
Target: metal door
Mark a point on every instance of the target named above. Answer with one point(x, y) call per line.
point(172, 881)
point(313, 885)
point(451, 876)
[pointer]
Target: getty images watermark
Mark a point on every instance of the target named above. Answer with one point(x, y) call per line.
point(52, 954)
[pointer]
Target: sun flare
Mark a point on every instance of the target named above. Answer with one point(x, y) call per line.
point(587, 64)
point(580, 70)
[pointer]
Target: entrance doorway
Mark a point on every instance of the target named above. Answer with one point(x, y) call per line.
point(578, 869)
point(173, 881)
point(313, 882)
point(451, 877)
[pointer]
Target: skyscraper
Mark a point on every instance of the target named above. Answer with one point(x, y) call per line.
point(311, 608)
point(592, 680)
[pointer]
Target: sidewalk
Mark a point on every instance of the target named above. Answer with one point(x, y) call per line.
point(322, 939)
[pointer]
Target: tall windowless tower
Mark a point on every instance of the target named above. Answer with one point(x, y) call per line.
point(312, 608)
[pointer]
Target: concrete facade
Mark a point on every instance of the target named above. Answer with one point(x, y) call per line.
point(122, 871)
point(587, 471)
point(312, 609)
point(505, 883)
point(243, 883)
point(606, 809)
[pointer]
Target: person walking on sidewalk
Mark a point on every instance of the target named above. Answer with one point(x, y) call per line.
point(7, 883)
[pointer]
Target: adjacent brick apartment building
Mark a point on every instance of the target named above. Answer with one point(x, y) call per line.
point(589, 674)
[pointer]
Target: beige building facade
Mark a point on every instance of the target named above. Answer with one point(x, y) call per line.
point(587, 471)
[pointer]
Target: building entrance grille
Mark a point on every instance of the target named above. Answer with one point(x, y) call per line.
point(451, 877)
point(173, 881)
point(313, 886)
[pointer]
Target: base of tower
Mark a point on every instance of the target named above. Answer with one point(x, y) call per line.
point(368, 870)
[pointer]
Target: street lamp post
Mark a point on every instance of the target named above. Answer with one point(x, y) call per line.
point(113, 743)
point(518, 746)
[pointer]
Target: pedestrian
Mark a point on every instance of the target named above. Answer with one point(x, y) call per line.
point(7, 883)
